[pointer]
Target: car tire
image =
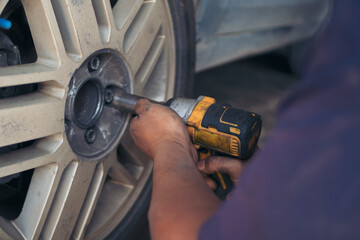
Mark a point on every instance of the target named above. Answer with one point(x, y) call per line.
point(63, 188)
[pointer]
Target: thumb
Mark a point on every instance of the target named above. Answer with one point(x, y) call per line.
point(142, 106)
point(231, 166)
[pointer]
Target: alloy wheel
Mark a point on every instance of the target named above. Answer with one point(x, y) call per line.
point(70, 194)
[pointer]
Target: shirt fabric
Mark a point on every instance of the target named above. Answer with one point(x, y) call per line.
point(305, 182)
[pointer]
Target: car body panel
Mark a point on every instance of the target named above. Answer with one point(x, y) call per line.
point(233, 29)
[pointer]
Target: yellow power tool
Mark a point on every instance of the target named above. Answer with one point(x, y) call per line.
point(214, 128)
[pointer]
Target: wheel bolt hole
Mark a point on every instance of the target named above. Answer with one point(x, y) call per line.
point(94, 64)
point(109, 95)
point(90, 135)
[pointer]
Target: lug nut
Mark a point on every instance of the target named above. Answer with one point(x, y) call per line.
point(94, 64)
point(90, 135)
point(108, 95)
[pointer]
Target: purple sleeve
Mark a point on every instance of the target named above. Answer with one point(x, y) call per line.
point(305, 183)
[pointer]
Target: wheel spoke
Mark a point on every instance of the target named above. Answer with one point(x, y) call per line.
point(41, 153)
point(3, 4)
point(157, 81)
point(117, 192)
point(105, 19)
point(124, 12)
point(90, 202)
point(44, 30)
point(115, 189)
point(30, 117)
point(78, 27)
point(149, 64)
point(43, 186)
point(93, 195)
point(130, 154)
point(69, 198)
point(121, 175)
point(11, 230)
point(141, 34)
point(25, 74)
point(111, 205)
point(41, 192)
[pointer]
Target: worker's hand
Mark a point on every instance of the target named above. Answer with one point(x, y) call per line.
point(233, 167)
point(157, 129)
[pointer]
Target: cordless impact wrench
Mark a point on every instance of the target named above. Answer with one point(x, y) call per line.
point(213, 128)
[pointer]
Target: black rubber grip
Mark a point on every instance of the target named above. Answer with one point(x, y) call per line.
point(222, 191)
point(240, 123)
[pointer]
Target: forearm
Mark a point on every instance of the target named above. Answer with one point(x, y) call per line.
point(181, 200)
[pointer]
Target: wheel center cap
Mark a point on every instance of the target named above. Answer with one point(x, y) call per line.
point(93, 128)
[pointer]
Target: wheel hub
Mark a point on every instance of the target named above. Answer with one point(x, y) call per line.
point(92, 127)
